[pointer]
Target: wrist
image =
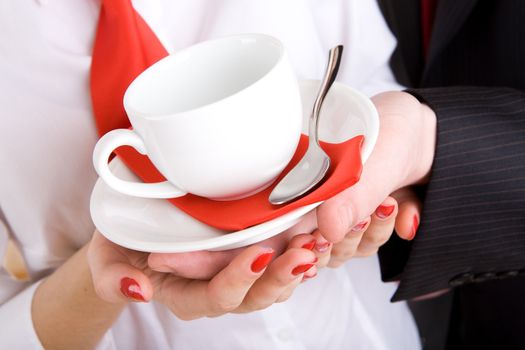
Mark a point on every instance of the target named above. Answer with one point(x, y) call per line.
point(427, 145)
point(407, 137)
point(66, 310)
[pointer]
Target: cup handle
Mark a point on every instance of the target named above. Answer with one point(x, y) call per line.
point(123, 137)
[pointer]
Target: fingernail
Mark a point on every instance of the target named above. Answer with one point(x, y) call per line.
point(261, 262)
point(306, 278)
point(322, 247)
point(415, 225)
point(310, 245)
point(384, 211)
point(303, 268)
point(312, 276)
point(360, 226)
point(131, 289)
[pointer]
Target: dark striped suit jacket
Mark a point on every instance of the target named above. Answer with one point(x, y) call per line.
point(472, 232)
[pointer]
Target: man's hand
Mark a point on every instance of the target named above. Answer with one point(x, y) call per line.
point(402, 156)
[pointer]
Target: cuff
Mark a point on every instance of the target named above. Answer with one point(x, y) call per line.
point(17, 331)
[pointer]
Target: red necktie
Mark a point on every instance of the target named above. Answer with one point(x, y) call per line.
point(124, 47)
point(428, 12)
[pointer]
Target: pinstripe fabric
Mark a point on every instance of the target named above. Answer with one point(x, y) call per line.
point(473, 222)
point(474, 209)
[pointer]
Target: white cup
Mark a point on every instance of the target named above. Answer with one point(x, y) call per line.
point(220, 119)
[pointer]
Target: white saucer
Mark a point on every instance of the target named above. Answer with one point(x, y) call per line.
point(155, 225)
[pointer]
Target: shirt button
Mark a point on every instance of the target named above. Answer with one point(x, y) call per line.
point(460, 280)
point(285, 335)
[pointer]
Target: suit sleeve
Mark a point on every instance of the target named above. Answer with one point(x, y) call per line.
point(473, 221)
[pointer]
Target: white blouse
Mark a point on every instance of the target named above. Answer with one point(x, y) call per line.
point(47, 135)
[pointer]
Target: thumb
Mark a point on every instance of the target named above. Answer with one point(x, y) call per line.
point(115, 279)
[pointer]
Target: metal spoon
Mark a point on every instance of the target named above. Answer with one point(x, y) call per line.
point(315, 163)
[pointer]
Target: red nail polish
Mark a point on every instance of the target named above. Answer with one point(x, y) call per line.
point(261, 262)
point(384, 211)
point(302, 268)
point(131, 289)
point(322, 247)
point(360, 226)
point(309, 245)
point(415, 225)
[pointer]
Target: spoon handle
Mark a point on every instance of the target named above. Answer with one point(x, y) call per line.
point(334, 59)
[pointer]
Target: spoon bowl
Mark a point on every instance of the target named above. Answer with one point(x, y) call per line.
point(310, 171)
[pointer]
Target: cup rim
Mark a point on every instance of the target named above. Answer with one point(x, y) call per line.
point(137, 80)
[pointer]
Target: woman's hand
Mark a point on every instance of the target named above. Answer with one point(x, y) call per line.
point(206, 264)
point(250, 281)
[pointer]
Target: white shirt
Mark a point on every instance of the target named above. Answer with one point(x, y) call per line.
point(47, 135)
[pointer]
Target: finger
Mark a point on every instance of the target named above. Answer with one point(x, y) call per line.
point(286, 270)
point(303, 240)
point(114, 278)
point(190, 299)
point(310, 274)
point(347, 248)
point(322, 250)
point(314, 242)
point(193, 265)
point(308, 242)
point(288, 291)
point(407, 220)
point(380, 229)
